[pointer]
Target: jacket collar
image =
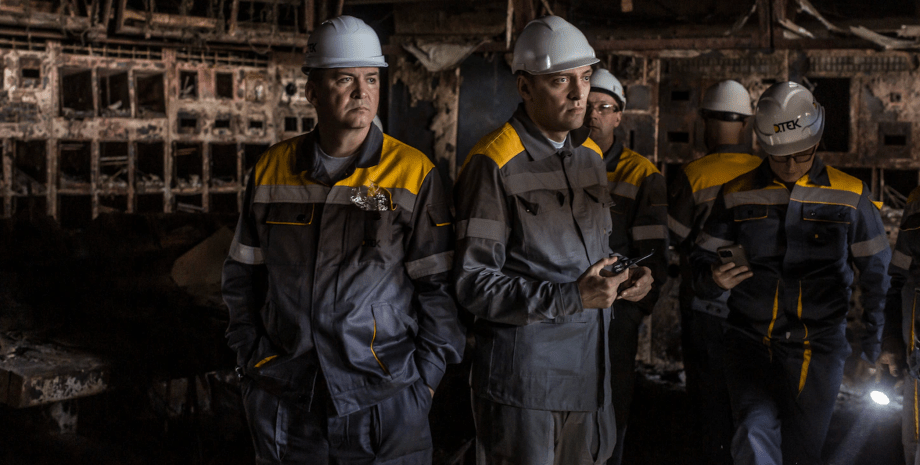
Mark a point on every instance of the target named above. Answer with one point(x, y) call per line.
point(613, 154)
point(731, 148)
point(535, 143)
point(308, 160)
point(816, 175)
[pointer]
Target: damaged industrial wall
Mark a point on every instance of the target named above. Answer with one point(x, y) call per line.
point(128, 128)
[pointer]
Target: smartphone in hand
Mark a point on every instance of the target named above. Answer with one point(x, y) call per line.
point(733, 254)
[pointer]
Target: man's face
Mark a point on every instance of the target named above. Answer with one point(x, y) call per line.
point(556, 102)
point(791, 168)
point(346, 98)
point(600, 118)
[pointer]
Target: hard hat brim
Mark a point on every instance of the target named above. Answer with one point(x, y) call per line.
point(558, 68)
point(612, 94)
point(333, 63)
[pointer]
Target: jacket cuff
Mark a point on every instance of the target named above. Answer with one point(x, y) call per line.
point(430, 372)
point(569, 301)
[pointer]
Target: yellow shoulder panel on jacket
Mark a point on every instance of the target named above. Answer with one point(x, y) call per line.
point(914, 195)
point(741, 183)
point(275, 166)
point(842, 181)
point(401, 167)
point(593, 146)
point(501, 145)
point(718, 168)
point(632, 168)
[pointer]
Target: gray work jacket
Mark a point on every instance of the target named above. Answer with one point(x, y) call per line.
point(530, 220)
point(349, 276)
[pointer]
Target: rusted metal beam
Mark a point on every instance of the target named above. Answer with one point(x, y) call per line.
point(765, 17)
point(174, 21)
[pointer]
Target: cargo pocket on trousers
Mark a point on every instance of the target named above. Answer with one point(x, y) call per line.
point(400, 424)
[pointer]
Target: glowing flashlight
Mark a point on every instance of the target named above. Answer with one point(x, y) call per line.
point(879, 397)
point(884, 387)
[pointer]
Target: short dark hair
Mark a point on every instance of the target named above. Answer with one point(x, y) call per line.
point(316, 75)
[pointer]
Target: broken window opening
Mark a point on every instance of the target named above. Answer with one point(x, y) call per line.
point(308, 124)
point(30, 167)
point(75, 165)
point(223, 85)
point(223, 165)
point(149, 171)
point(290, 124)
point(188, 84)
point(75, 211)
point(680, 96)
point(223, 203)
point(256, 124)
point(150, 95)
point(149, 203)
point(113, 94)
point(188, 123)
point(187, 166)
point(678, 137)
point(31, 77)
point(222, 123)
point(76, 93)
point(897, 140)
point(113, 165)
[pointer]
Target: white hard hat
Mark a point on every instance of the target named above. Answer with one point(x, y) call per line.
point(727, 101)
point(550, 45)
point(343, 42)
point(603, 81)
point(788, 119)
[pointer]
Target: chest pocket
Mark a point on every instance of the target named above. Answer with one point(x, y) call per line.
point(599, 195)
point(758, 231)
point(290, 230)
point(370, 236)
point(826, 226)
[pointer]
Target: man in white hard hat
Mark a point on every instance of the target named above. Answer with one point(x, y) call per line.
point(532, 225)
point(901, 341)
point(802, 225)
point(725, 109)
point(640, 227)
point(337, 279)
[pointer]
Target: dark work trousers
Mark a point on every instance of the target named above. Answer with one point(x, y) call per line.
point(507, 435)
point(782, 395)
point(393, 432)
point(707, 392)
point(624, 341)
point(910, 429)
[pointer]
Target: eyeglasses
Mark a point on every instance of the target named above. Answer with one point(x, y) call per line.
point(801, 158)
point(604, 108)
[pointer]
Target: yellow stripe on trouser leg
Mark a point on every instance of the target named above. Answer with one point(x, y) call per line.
point(806, 360)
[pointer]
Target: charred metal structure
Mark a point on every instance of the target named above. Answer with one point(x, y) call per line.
point(128, 127)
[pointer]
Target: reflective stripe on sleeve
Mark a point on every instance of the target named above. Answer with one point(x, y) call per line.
point(901, 260)
point(870, 247)
point(678, 228)
point(245, 254)
point(710, 243)
point(432, 264)
point(481, 228)
point(654, 231)
point(624, 189)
